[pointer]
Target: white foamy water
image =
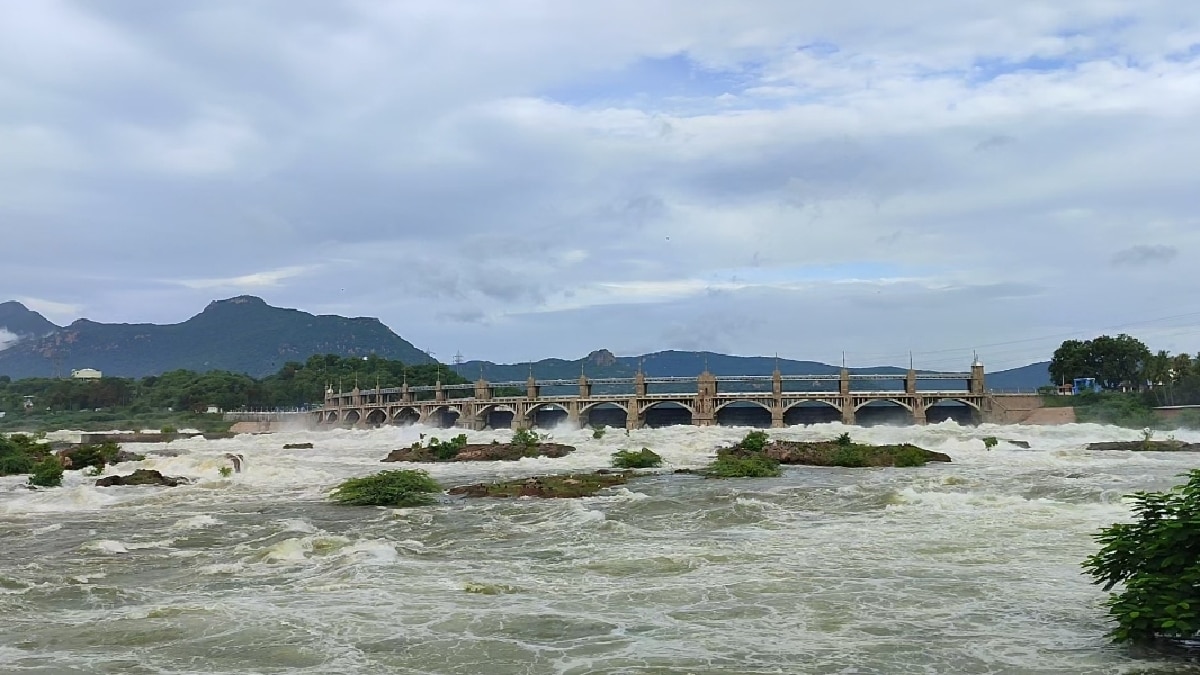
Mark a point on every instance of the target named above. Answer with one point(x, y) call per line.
point(971, 567)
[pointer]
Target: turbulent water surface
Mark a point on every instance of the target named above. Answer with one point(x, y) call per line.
point(971, 567)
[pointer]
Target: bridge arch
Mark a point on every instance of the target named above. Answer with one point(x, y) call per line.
point(331, 417)
point(496, 416)
point(352, 417)
point(744, 413)
point(443, 416)
point(604, 414)
point(666, 414)
point(406, 416)
point(883, 411)
point(377, 416)
point(547, 415)
point(811, 412)
point(878, 402)
point(950, 399)
point(743, 403)
point(959, 410)
point(672, 403)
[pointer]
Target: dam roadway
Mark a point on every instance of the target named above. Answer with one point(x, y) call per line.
point(775, 401)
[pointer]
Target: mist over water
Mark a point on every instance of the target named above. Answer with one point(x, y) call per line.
point(971, 567)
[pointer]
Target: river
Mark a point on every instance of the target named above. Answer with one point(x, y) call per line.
point(969, 567)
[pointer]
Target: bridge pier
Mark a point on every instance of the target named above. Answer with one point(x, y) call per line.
point(633, 418)
point(919, 413)
point(777, 414)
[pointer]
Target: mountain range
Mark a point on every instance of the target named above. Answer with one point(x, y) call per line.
point(241, 334)
point(245, 334)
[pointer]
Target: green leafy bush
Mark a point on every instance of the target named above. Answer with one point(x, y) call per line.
point(754, 441)
point(990, 442)
point(99, 456)
point(15, 463)
point(844, 440)
point(849, 456)
point(19, 453)
point(1156, 559)
point(526, 437)
point(47, 473)
point(405, 487)
point(908, 456)
point(598, 432)
point(642, 459)
point(750, 466)
point(446, 450)
point(225, 471)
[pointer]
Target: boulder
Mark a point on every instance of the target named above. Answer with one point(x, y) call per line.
point(142, 477)
point(483, 452)
point(1020, 444)
point(298, 446)
point(1146, 446)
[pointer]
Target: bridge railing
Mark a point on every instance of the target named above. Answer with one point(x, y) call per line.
point(606, 381)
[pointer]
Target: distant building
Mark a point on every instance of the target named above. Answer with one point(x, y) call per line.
point(213, 410)
point(85, 374)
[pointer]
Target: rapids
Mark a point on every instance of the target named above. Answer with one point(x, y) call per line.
point(971, 567)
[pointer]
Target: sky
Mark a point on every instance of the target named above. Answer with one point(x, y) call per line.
point(522, 179)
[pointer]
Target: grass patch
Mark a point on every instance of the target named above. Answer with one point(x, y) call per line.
point(641, 459)
point(404, 487)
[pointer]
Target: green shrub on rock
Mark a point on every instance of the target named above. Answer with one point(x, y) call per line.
point(852, 456)
point(1155, 558)
point(47, 473)
point(598, 432)
point(642, 459)
point(754, 441)
point(405, 487)
point(19, 453)
point(446, 450)
point(526, 437)
point(15, 463)
point(749, 466)
point(990, 442)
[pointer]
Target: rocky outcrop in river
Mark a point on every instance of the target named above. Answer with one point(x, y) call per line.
point(1146, 446)
point(574, 485)
point(142, 477)
point(831, 453)
point(483, 452)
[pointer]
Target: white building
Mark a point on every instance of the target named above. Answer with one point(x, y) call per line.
point(85, 374)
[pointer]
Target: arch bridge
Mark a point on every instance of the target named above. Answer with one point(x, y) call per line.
point(775, 400)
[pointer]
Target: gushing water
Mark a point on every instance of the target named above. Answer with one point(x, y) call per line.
point(971, 567)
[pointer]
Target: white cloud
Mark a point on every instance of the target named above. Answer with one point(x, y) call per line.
point(486, 175)
point(249, 282)
point(58, 312)
point(7, 339)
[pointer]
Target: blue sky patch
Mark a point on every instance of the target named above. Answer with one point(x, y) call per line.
point(655, 79)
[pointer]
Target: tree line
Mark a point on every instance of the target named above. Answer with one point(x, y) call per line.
point(296, 384)
point(1124, 363)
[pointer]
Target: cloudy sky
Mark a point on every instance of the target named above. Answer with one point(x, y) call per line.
point(518, 179)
